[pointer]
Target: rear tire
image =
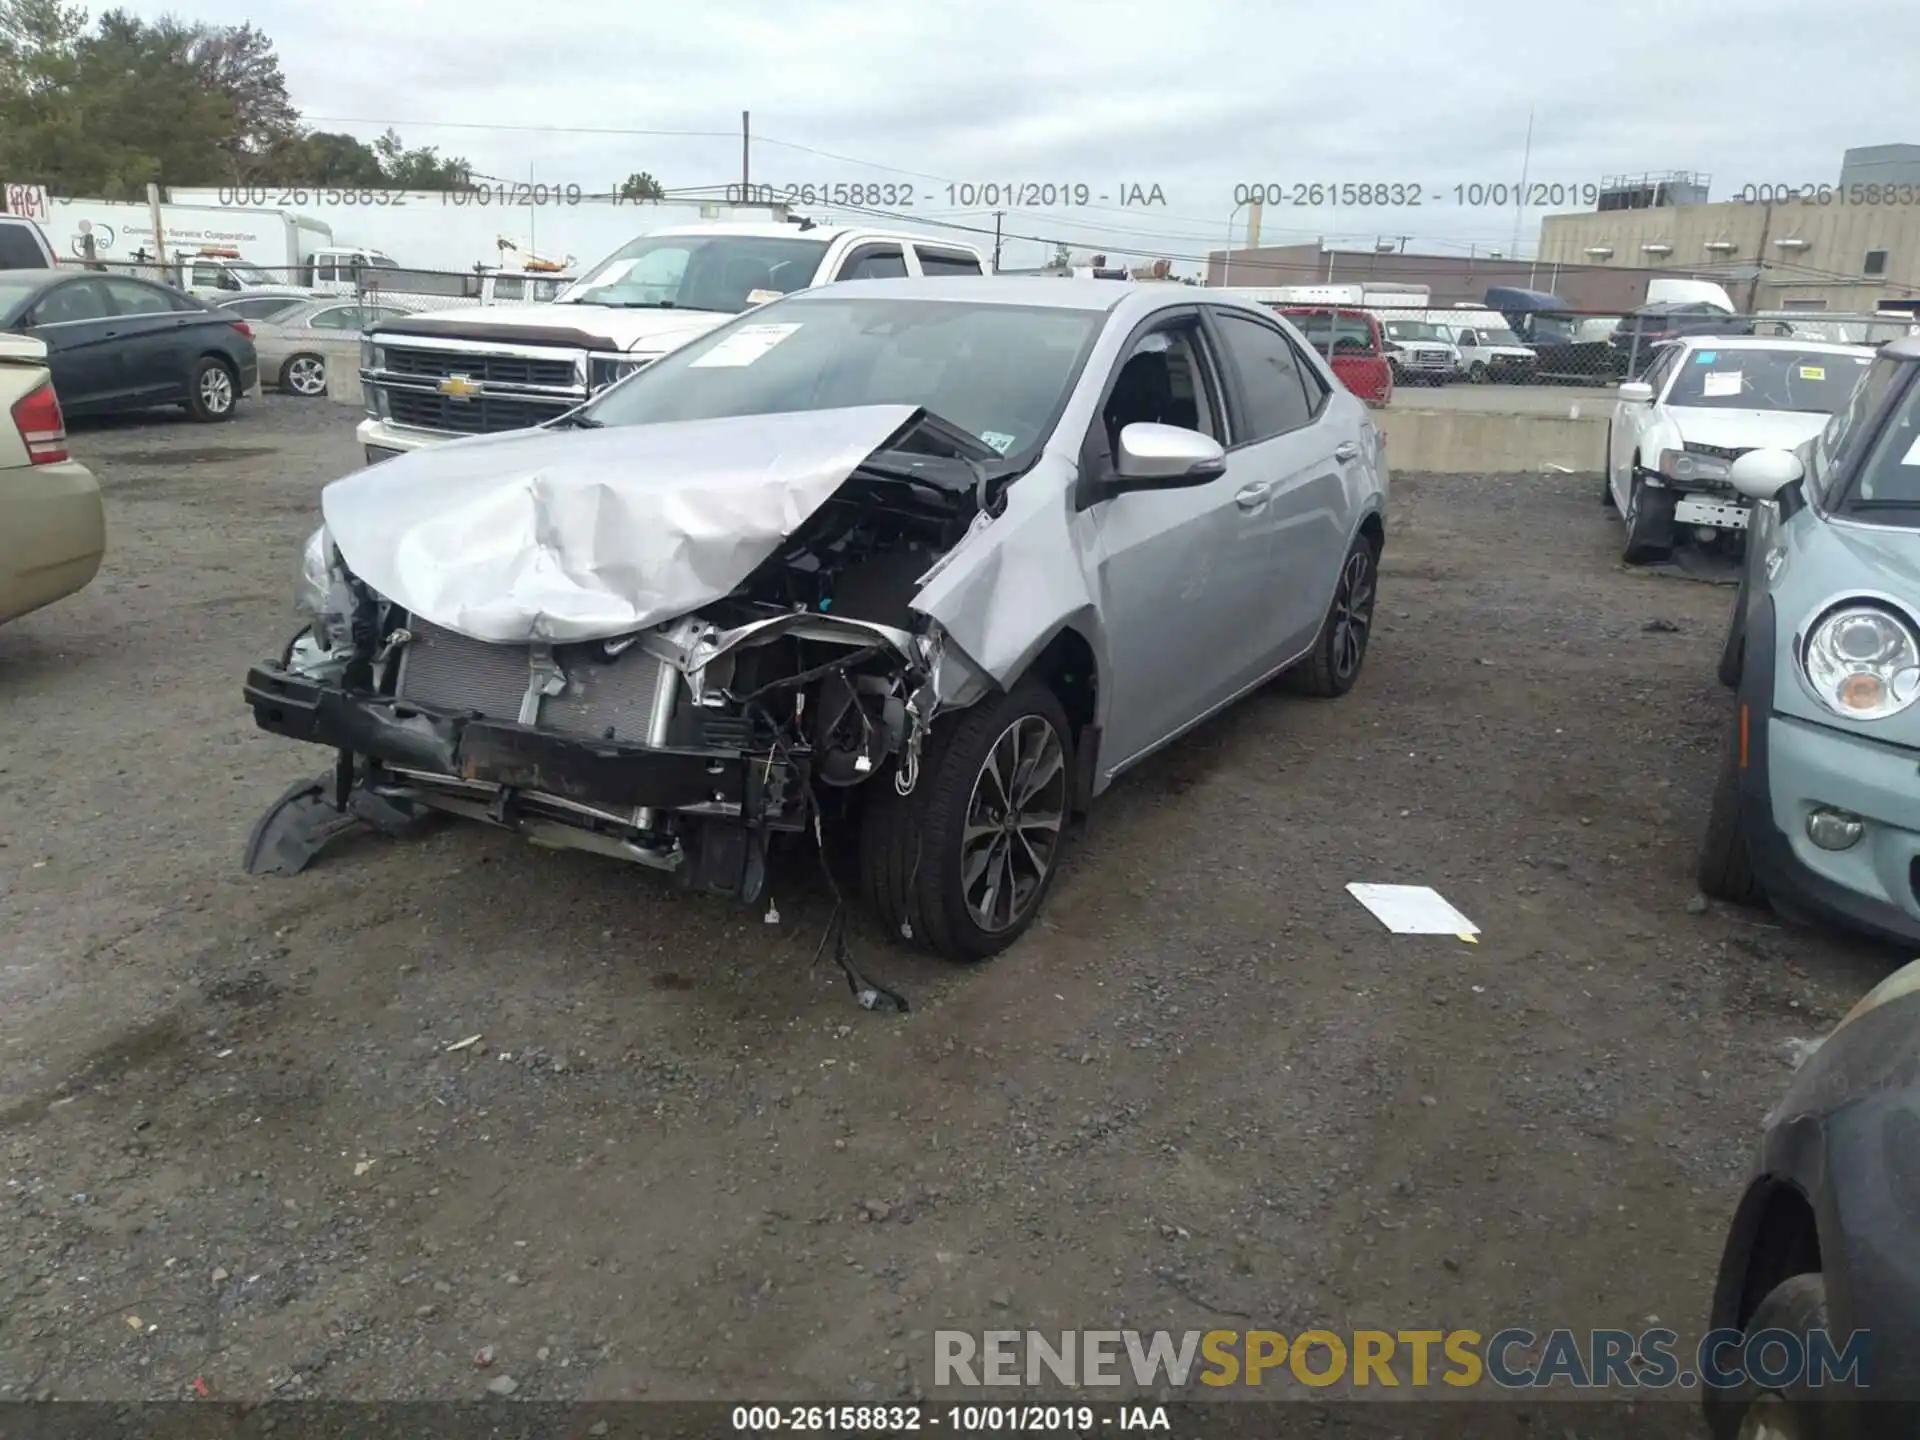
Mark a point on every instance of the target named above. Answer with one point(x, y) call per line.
point(1332, 667)
point(1797, 1410)
point(305, 376)
point(212, 391)
point(961, 867)
point(1726, 867)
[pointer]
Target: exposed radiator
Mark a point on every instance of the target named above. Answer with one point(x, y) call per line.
point(630, 695)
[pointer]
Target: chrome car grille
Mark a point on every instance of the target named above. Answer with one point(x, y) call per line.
point(480, 366)
point(612, 699)
point(1433, 358)
point(487, 415)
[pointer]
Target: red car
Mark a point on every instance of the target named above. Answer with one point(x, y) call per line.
point(1353, 344)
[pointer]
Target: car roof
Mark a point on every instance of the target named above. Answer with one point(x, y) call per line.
point(1769, 342)
point(1052, 292)
point(43, 278)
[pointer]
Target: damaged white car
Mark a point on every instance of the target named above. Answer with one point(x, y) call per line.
point(936, 559)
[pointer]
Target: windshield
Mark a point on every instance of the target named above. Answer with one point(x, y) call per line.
point(1813, 381)
point(699, 272)
point(1890, 475)
point(1554, 329)
point(1412, 330)
point(1497, 335)
point(1001, 372)
point(251, 274)
point(1351, 336)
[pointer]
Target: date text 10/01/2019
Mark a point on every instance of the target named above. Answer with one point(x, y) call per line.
point(1411, 194)
point(504, 194)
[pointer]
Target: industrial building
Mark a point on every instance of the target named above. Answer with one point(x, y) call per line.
point(1817, 249)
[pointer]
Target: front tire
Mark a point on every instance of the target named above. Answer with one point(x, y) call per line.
point(1649, 521)
point(211, 391)
point(1330, 669)
point(1477, 373)
point(305, 375)
point(961, 866)
point(1726, 866)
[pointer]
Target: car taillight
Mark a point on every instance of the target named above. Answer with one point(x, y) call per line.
point(242, 326)
point(41, 425)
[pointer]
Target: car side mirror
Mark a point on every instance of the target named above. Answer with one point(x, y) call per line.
point(1763, 474)
point(1166, 457)
point(1636, 392)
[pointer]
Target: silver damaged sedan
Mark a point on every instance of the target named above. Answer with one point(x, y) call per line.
point(928, 561)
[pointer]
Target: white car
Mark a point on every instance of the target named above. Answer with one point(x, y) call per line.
point(1705, 401)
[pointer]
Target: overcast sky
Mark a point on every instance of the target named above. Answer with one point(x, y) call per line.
point(1195, 99)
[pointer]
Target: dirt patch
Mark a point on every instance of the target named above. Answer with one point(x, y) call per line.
point(678, 1161)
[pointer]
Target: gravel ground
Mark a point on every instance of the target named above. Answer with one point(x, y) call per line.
point(681, 1163)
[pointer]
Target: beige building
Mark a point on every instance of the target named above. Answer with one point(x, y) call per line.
point(1784, 255)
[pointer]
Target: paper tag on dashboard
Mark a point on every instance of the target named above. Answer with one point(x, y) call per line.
point(744, 346)
point(1720, 382)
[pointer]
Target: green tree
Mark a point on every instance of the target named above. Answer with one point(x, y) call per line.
point(641, 186)
point(419, 169)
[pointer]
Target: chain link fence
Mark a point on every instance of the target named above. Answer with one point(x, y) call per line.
point(1474, 346)
point(227, 281)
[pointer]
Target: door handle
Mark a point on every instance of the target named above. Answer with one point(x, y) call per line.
point(1252, 497)
point(1346, 450)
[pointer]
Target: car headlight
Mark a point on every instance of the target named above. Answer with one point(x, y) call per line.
point(1683, 465)
point(316, 574)
point(605, 370)
point(1863, 662)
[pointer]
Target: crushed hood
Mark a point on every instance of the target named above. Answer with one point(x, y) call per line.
point(571, 535)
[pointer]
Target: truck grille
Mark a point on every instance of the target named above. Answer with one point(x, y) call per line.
point(487, 369)
point(1431, 359)
point(613, 699)
point(483, 416)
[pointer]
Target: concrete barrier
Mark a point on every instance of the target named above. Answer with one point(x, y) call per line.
point(1474, 442)
point(343, 371)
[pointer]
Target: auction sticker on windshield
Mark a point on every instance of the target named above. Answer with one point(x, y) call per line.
point(1720, 382)
point(999, 440)
point(745, 345)
point(1813, 372)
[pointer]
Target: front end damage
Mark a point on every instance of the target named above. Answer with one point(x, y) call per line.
point(685, 745)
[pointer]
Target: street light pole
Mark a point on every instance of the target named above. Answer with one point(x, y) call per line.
point(1226, 256)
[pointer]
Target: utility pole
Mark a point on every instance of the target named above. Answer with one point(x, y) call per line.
point(996, 240)
point(1760, 256)
point(746, 162)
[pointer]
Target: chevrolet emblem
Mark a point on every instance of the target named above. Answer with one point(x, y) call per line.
point(459, 387)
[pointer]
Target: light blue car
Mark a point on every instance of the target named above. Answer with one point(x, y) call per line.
point(1817, 807)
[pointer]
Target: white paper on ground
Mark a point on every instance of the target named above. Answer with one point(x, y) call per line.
point(1720, 382)
point(745, 345)
point(1412, 910)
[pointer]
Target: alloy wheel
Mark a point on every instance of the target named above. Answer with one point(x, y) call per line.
point(1352, 614)
point(307, 375)
point(216, 390)
point(1013, 821)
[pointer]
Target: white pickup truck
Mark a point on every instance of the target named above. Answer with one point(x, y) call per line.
point(434, 378)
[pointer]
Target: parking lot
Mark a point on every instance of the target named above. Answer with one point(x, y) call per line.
point(678, 1161)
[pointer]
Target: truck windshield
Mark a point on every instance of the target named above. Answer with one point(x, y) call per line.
point(725, 273)
point(1411, 330)
point(1001, 372)
point(251, 274)
point(1496, 335)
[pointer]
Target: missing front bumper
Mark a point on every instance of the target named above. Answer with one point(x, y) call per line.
point(638, 802)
